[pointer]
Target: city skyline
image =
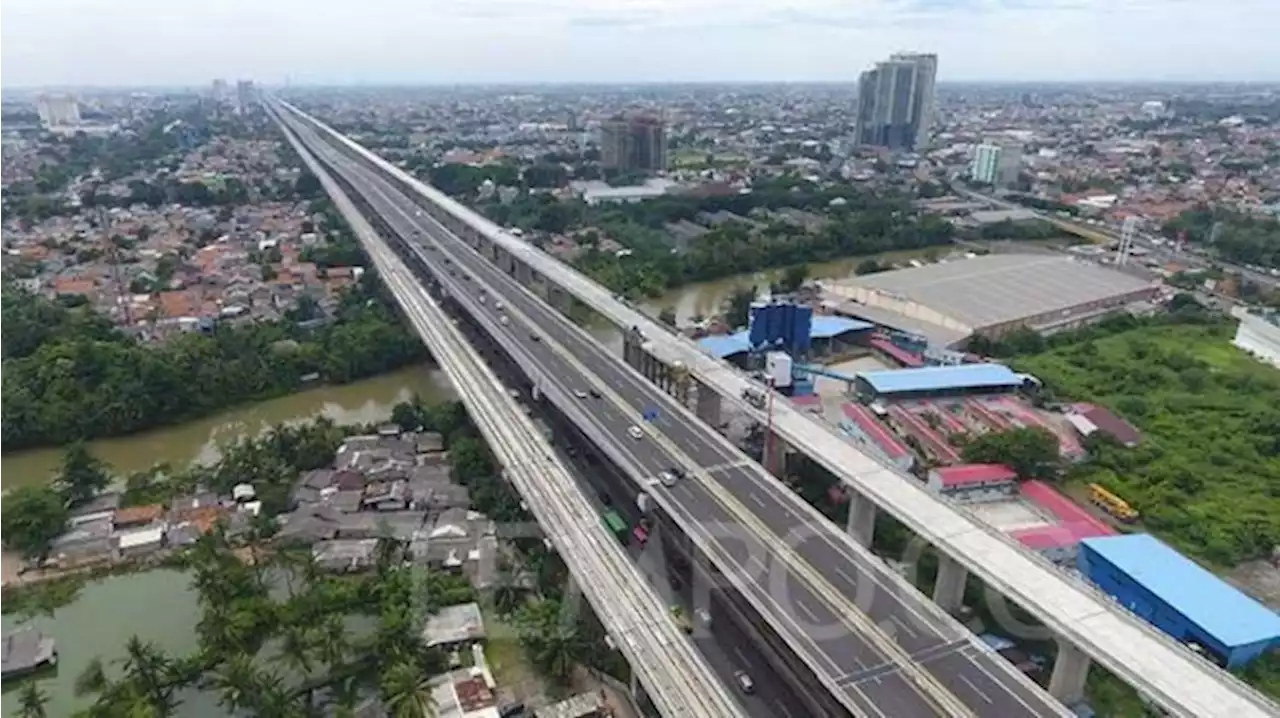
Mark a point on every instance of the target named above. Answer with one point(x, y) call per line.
point(141, 43)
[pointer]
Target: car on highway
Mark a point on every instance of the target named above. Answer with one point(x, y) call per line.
point(668, 478)
point(482, 298)
point(534, 336)
point(504, 321)
point(580, 393)
point(593, 393)
point(498, 305)
point(635, 433)
point(704, 617)
point(744, 681)
point(682, 619)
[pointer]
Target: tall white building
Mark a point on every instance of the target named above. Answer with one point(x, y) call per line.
point(58, 111)
point(996, 164)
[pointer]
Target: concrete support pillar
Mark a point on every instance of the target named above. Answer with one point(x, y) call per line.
point(523, 273)
point(775, 456)
point(1070, 671)
point(708, 405)
point(862, 519)
point(948, 590)
point(558, 298)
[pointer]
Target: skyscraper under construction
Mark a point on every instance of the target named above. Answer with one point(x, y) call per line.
point(637, 142)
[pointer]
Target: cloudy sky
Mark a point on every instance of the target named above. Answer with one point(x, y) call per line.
point(166, 42)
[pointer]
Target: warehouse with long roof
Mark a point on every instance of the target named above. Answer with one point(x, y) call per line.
point(990, 295)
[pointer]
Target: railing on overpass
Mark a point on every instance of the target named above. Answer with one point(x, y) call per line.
point(1173, 676)
point(678, 680)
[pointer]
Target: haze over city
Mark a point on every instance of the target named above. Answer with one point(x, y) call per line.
point(152, 43)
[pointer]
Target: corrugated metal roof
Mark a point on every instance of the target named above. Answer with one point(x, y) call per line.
point(827, 327)
point(1204, 599)
point(722, 345)
point(938, 378)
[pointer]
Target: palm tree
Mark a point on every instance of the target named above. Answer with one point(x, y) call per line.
point(332, 643)
point(93, 679)
point(149, 668)
point(554, 643)
point(31, 701)
point(406, 691)
point(237, 682)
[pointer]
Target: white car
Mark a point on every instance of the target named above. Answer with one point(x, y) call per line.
point(668, 479)
point(498, 306)
point(504, 321)
point(635, 433)
point(580, 394)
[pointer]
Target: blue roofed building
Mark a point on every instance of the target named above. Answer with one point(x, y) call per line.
point(937, 381)
point(826, 334)
point(1180, 598)
point(724, 346)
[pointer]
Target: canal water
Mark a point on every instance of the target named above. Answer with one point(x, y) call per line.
point(706, 299)
point(157, 606)
point(360, 402)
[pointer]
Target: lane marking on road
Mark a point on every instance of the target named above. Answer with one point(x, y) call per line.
point(965, 679)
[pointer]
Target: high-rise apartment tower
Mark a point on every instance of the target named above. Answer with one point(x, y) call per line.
point(634, 143)
point(896, 102)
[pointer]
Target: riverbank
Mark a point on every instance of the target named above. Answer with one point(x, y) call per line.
point(360, 402)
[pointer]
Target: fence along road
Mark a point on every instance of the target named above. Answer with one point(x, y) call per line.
point(676, 677)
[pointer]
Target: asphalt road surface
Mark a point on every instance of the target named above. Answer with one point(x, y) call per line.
point(815, 607)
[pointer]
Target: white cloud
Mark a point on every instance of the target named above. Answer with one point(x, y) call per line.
point(155, 42)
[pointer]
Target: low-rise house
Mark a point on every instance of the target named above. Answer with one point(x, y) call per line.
point(583, 705)
point(102, 506)
point(85, 544)
point(135, 516)
point(140, 541)
point(27, 651)
point(455, 627)
point(345, 555)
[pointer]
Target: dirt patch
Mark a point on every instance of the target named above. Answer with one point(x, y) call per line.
point(1260, 579)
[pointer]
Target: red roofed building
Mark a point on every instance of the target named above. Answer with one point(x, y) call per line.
point(1059, 541)
point(1088, 418)
point(865, 429)
point(973, 483)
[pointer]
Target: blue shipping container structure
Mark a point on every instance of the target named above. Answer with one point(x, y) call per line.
point(781, 326)
point(1179, 597)
point(801, 330)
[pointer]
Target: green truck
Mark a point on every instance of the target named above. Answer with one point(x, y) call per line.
point(616, 525)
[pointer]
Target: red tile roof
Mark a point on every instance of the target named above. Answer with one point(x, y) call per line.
point(974, 474)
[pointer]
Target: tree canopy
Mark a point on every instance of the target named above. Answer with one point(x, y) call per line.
point(34, 517)
point(1204, 476)
point(68, 377)
point(1032, 452)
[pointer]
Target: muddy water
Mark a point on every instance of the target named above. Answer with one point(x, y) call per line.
point(360, 402)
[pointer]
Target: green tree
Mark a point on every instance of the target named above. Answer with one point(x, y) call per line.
point(83, 476)
point(793, 277)
point(667, 316)
point(36, 515)
point(737, 307)
point(406, 691)
point(1030, 451)
point(552, 638)
point(32, 701)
